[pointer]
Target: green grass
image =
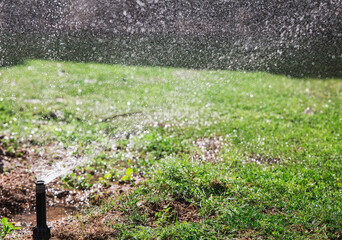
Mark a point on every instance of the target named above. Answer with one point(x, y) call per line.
point(277, 174)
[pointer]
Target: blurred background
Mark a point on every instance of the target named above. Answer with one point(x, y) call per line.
point(296, 38)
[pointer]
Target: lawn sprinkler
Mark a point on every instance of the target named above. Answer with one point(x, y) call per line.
point(41, 231)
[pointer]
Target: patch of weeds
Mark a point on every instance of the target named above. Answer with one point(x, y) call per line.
point(108, 177)
point(82, 182)
point(128, 175)
point(6, 228)
point(111, 175)
point(9, 148)
point(104, 169)
point(10, 151)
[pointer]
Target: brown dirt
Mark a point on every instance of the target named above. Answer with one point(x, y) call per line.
point(100, 227)
point(17, 188)
point(17, 197)
point(16, 182)
point(178, 210)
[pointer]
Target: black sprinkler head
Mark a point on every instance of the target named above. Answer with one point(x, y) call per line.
point(41, 231)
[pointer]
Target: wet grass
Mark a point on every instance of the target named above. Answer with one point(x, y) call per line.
point(276, 173)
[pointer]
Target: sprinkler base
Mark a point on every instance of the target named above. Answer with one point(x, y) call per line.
point(41, 233)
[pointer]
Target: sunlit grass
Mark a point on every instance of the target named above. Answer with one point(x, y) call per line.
point(278, 170)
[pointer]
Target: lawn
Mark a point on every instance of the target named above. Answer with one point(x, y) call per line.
point(218, 154)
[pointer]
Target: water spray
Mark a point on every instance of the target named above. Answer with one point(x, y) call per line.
point(41, 231)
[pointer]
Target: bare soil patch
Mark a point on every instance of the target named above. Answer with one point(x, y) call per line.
point(86, 228)
point(16, 182)
point(17, 189)
point(177, 210)
point(208, 149)
point(17, 197)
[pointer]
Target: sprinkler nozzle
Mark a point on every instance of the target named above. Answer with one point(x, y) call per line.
point(41, 231)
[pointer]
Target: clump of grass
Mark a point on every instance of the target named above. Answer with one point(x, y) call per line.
point(183, 179)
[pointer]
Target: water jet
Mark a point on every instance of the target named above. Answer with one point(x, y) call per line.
point(41, 231)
